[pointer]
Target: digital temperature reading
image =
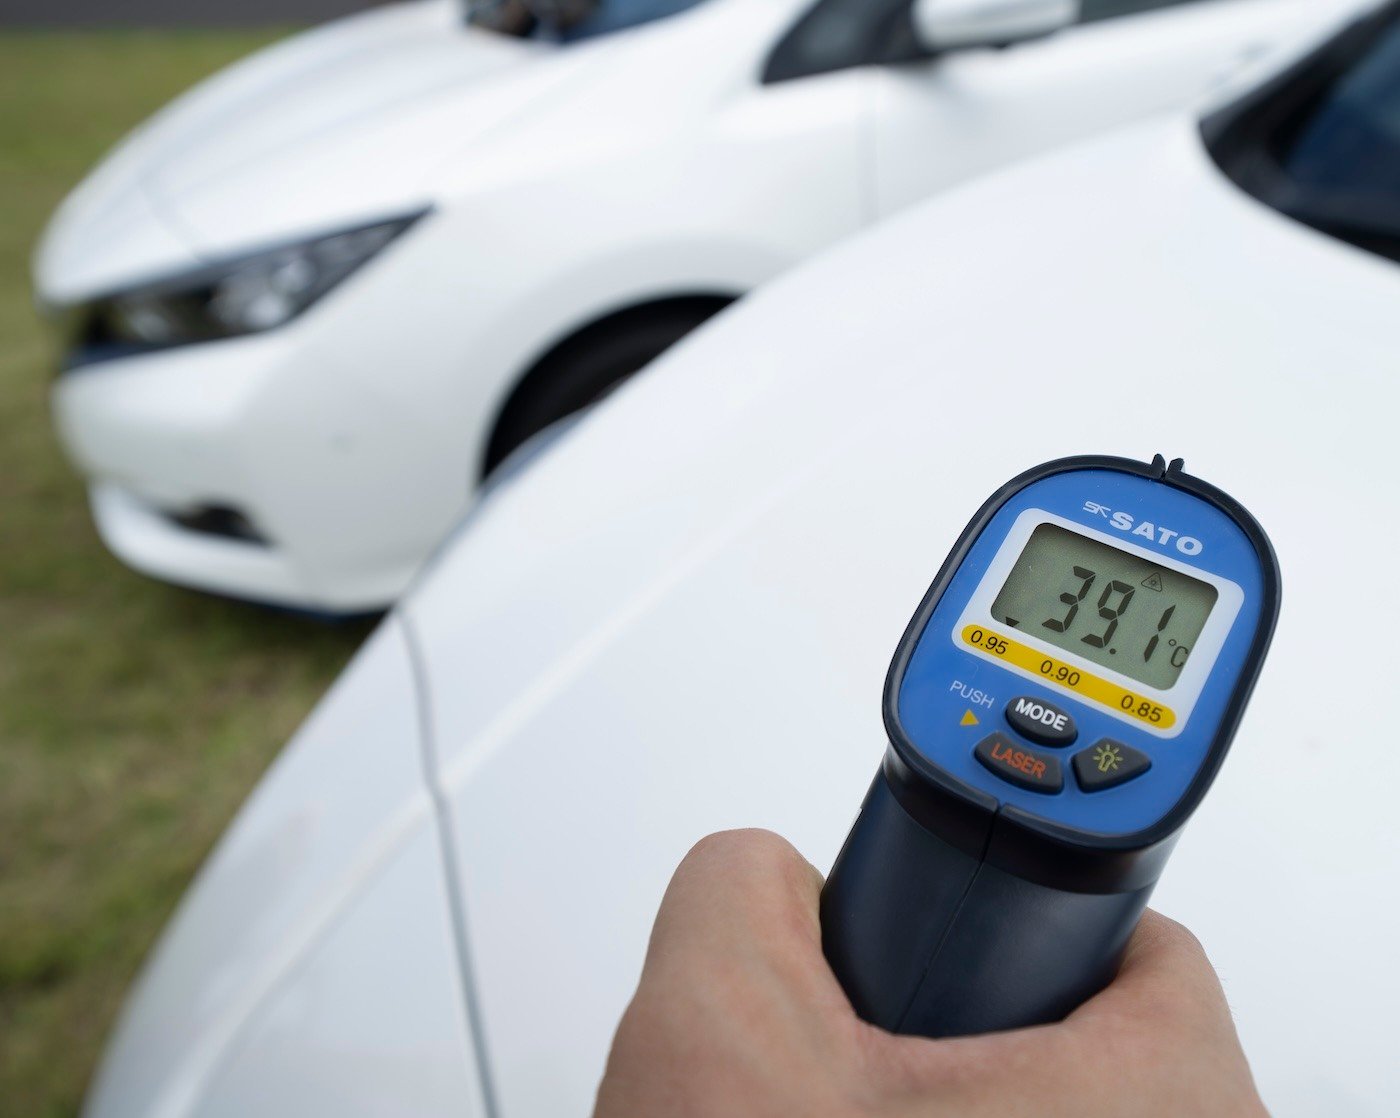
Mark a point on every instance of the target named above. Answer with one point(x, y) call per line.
point(1106, 605)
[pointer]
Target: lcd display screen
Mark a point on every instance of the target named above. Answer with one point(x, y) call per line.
point(1105, 605)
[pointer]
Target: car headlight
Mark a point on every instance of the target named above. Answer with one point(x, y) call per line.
point(247, 295)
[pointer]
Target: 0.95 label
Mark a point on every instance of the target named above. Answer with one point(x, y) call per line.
point(1077, 680)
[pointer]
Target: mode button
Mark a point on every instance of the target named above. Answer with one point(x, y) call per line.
point(1041, 721)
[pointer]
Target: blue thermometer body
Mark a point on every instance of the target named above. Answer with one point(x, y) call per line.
point(1056, 710)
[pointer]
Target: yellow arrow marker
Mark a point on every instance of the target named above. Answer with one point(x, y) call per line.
point(969, 719)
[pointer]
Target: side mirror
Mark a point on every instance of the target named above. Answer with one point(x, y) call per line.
point(943, 25)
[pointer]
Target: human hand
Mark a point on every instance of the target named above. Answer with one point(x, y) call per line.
point(738, 1014)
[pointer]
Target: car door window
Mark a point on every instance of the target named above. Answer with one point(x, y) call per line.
point(842, 34)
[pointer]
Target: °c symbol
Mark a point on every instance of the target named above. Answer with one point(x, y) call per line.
point(1153, 582)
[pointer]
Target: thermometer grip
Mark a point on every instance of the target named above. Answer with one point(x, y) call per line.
point(930, 939)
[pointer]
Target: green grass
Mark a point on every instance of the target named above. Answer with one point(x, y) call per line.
point(134, 718)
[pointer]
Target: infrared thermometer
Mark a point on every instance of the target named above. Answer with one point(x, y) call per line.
point(1056, 710)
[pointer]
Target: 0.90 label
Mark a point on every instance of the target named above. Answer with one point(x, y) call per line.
point(1082, 683)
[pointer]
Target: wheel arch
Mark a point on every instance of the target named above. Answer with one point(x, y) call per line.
point(554, 357)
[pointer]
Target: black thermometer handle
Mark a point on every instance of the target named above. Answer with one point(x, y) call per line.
point(930, 939)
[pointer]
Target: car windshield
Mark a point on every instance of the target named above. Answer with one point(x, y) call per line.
point(569, 21)
point(1322, 143)
point(1345, 155)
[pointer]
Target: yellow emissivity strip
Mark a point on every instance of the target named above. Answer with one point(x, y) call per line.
point(1082, 683)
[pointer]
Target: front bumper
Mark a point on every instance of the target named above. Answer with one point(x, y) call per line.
point(343, 493)
point(155, 542)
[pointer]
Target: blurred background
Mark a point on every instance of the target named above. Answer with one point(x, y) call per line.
point(134, 717)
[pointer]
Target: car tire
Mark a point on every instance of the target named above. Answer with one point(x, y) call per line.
point(590, 364)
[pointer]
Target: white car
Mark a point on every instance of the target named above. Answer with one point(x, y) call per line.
point(678, 620)
point(316, 300)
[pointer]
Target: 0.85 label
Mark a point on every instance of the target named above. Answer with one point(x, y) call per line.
point(1074, 679)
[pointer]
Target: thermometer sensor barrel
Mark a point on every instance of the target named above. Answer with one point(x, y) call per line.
point(928, 939)
point(1006, 850)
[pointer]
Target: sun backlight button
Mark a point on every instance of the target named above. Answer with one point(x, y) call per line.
point(1108, 763)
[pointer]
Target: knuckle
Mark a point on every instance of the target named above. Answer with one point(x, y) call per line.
point(746, 842)
point(746, 858)
point(1171, 934)
point(1180, 936)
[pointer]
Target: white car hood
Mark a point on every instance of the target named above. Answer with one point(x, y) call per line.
point(680, 618)
point(373, 117)
point(332, 127)
point(247, 952)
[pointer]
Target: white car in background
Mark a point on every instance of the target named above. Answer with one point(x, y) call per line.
point(679, 617)
point(315, 301)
